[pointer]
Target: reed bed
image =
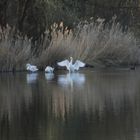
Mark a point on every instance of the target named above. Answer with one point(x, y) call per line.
point(15, 50)
point(94, 42)
point(59, 47)
point(103, 44)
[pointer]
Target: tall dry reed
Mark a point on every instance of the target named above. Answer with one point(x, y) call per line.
point(105, 44)
point(15, 50)
point(94, 42)
point(59, 47)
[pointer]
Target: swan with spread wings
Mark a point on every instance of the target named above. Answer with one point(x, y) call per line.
point(70, 66)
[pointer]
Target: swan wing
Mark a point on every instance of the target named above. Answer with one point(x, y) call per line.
point(78, 64)
point(33, 68)
point(30, 67)
point(49, 69)
point(64, 63)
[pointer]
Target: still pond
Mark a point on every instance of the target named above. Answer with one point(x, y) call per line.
point(89, 105)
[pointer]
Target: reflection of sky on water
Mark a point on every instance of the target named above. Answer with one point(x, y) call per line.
point(72, 79)
point(31, 77)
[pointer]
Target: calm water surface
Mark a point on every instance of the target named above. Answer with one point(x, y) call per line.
point(90, 105)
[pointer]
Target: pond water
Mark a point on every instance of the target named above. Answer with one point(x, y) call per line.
point(89, 105)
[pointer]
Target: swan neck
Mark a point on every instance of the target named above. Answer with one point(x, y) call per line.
point(71, 60)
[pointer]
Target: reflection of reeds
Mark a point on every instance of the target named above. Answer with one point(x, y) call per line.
point(14, 94)
point(101, 92)
point(47, 110)
point(96, 94)
point(62, 103)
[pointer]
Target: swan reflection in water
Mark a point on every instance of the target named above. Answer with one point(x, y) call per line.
point(71, 79)
point(49, 76)
point(31, 77)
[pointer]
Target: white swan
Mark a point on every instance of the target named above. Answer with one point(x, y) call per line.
point(31, 68)
point(70, 66)
point(49, 69)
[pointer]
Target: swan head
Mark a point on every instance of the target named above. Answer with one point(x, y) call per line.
point(27, 65)
point(71, 58)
